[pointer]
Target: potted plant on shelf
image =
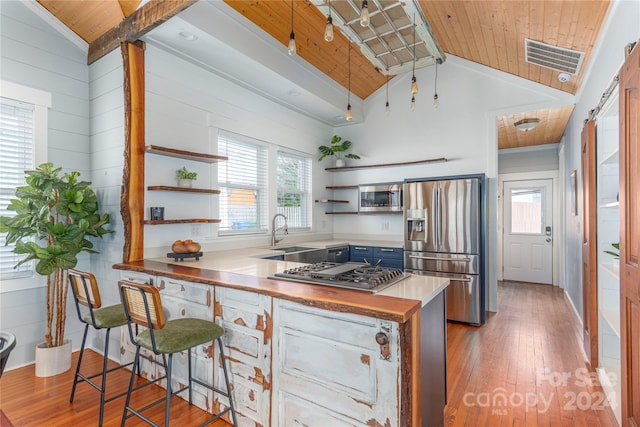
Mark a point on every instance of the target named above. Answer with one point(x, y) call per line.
point(54, 216)
point(186, 178)
point(338, 148)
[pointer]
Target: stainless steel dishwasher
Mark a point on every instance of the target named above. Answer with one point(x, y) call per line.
point(338, 254)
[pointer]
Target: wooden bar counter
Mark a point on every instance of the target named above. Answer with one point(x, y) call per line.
point(308, 354)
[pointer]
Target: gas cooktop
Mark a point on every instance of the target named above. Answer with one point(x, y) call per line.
point(365, 277)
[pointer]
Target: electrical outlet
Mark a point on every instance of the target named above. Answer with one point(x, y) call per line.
point(196, 230)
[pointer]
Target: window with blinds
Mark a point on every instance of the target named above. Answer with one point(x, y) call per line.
point(243, 185)
point(17, 152)
point(294, 189)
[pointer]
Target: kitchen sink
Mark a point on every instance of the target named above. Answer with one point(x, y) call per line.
point(286, 250)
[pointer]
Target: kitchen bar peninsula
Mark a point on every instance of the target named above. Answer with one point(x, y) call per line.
point(302, 354)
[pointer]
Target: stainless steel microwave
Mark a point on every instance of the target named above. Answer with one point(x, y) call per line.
point(380, 198)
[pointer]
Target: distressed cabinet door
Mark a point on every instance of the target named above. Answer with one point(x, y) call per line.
point(148, 368)
point(329, 370)
point(182, 299)
point(246, 319)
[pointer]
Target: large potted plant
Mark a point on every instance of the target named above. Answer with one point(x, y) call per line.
point(338, 149)
point(55, 214)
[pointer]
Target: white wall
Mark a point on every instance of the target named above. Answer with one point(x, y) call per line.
point(186, 105)
point(35, 55)
point(621, 28)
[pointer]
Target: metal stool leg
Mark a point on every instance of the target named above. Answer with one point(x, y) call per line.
point(136, 361)
point(226, 381)
point(75, 378)
point(103, 389)
point(168, 403)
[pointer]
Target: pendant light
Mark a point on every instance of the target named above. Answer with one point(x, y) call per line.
point(414, 83)
point(349, 115)
point(387, 109)
point(413, 103)
point(436, 103)
point(364, 14)
point(292, 37)
point(328, 30)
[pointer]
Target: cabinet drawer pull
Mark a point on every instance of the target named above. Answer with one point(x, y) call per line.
point(357, 248)
point(386, 250)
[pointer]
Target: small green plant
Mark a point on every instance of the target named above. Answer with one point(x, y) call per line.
point(338, 149)
point(616, 254)
point(185, 174)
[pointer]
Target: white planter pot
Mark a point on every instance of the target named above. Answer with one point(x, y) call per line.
point(186, 183)
point(340, 163)
point(53, 361)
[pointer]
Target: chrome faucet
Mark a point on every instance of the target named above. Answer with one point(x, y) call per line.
point(274, 241)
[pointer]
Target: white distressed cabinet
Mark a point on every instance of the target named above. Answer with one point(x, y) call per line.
point(328, 368)
point(246, 319)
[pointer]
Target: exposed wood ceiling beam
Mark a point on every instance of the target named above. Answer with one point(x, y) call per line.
point(136, 25)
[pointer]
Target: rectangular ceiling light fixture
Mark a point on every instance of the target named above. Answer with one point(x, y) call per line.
point(388, 40)
point(554, 57)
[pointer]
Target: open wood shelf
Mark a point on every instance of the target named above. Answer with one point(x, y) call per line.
point(341, 213)
point(386, 165)
point(183, 154)
point(182, 189)
point(341, 187)
point(331, 201)
point(181, 221)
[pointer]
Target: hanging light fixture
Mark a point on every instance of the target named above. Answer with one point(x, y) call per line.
point(349, 115)
point(292, 37)
point(413, 103)
point(436, 102)
point(328, 30)
point(414, 83)
point(387, 109)
point(364, 14)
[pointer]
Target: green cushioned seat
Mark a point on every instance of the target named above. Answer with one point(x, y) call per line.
point(180, 334)
point(107, 317)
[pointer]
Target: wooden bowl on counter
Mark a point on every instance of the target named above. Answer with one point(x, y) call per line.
point(185, 247)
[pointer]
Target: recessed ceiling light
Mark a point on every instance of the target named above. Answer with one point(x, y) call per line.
point(526, 125)
point(188, 36)
point(294, 92)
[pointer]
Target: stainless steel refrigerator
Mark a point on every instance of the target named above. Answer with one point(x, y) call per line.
point(444, 236)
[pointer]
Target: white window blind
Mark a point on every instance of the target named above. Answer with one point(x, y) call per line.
point(294, 189)
point(243, 184)
point(17, 153)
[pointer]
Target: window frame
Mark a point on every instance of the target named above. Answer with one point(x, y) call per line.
point(41, 102)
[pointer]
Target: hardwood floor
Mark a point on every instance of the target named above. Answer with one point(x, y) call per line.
point(29, 401)
point(524, 367)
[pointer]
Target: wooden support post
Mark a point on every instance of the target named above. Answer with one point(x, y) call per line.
point(132, 194)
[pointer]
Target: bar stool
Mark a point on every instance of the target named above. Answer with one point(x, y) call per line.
point(143, 307)
point(84, 287)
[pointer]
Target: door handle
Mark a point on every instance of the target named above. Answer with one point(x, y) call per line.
point(548, 239)
point(466, 259)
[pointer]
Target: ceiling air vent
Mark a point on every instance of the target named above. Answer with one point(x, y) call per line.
point(556, 58)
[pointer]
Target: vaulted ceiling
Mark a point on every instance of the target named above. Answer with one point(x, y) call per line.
point(491, 33)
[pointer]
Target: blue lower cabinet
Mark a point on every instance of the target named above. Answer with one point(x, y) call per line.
point(360, 253)
point(388, 257)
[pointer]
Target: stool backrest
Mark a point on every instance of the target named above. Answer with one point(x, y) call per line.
point(85, 288)
point(142, 304)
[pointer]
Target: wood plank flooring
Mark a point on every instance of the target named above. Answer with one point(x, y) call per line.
point(524, 367)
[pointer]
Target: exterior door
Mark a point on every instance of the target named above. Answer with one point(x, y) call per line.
point(589, 244)
point(630, 237)
point(527, 238)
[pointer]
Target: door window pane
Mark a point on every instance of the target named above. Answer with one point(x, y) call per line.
point(526, 211)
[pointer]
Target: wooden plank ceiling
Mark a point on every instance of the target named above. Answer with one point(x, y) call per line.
point(488, 32)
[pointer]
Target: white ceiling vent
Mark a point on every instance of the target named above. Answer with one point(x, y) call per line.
point(556, 58)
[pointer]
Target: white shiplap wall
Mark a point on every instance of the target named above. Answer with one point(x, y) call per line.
point(35, 55)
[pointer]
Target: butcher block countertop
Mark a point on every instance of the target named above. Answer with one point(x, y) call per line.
point(245, 269)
